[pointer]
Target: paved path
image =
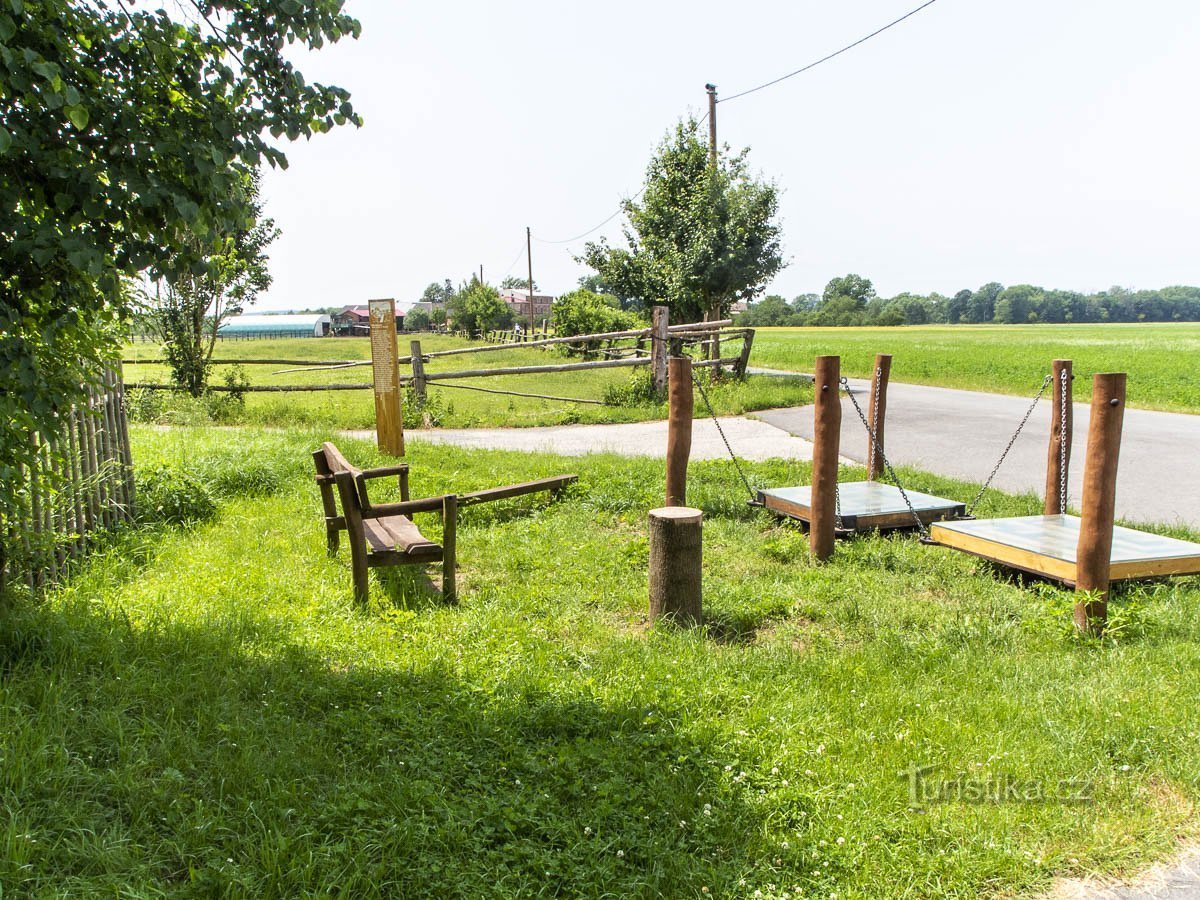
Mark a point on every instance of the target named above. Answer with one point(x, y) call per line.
point(1178, 880)
point(962, 433)
point(750, 439)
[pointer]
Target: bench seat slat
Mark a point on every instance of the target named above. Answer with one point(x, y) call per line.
point(395, 533)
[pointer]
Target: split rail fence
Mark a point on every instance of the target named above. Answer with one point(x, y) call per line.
point(616, 349)
point(78, 484)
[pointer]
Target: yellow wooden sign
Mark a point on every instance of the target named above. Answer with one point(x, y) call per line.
point(389, 411)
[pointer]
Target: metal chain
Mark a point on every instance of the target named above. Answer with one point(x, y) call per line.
point(1062, 445)
point(886, 462)
point(874, 415)
point(1016, 434)
point(721, 431)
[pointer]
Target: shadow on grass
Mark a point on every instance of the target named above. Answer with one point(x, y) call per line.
point(234, 763)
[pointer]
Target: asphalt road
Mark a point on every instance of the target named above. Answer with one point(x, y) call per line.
point(962, 433)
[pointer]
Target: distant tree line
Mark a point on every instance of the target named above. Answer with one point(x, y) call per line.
point(851, 300)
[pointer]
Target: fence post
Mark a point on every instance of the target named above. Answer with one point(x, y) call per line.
point(418, 367)
point(743, 362)
point(1058, 461)
point(1093, 554)
point(679, 429)
point(827, 429)
point(877, 414)
point(659, 321)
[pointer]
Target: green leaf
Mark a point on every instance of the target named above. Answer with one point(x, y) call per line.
point(5, 140)
point(78, 115)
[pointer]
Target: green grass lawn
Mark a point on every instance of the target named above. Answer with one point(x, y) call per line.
point(449, 406)
point(1161, 359)
point(203, 710)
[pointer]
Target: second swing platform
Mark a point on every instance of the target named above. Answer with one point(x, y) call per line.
point(864, 506)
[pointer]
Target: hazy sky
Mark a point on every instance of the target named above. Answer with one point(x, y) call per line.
point(1047, 141)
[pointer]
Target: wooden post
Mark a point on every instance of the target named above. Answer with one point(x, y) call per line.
point(449, 547)
point(743, 362)
point(1058, 459)
point(389, 414)
point(679, 429)
point(827, 428)
point(877, 414)
point(675, 564)
point(659, 321)
point(1094, 552)
point(418, 367)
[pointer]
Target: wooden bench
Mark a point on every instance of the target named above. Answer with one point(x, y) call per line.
point(384, 534)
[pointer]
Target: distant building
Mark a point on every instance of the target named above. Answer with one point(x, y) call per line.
point(357, 319)
point(295, 325)
point(518, 301)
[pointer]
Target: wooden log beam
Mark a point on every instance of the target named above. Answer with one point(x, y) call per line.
point(1062, 423)
point(679, 428)
point(472, 387)
point(676, 579)
point(877, 415)
point(1093, 554)
point(827, 418)
point(534, 370)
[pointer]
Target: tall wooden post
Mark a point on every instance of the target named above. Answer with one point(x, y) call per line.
point(418, 366)
point(389, 415)
point(1058, 457)
point(827, 429)
point(877, 415)
point(679, 429)
point(659, 321)
point(1094, 552)
point(675, 564)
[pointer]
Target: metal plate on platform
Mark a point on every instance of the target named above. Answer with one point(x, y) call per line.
point(866, 505)
point(1046, 545)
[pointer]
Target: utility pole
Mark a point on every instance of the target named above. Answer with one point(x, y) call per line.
point(529, 257)
point(712, 124)
point(481, 273)
point(714, 314)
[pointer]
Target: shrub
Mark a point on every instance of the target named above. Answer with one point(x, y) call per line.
point(228, 406)
point(583, 312)
point(173, 496)
point(636, 391)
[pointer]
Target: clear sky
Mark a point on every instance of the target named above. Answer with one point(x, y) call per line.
point(1056, 143)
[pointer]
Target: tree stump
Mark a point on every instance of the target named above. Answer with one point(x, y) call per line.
point(675, 564)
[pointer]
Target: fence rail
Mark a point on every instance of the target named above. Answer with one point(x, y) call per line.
point(644, 347)
point(79, 483)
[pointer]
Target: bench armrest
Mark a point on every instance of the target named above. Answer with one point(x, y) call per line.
point(408, 507)
point(385, 471)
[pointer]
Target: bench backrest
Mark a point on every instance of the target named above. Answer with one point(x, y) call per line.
point(328, 462)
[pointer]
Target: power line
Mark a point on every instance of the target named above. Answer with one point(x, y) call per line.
point(813, 65)
point(620, 209)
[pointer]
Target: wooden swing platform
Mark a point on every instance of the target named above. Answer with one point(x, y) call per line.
point(866, 506)
point(1046, 546)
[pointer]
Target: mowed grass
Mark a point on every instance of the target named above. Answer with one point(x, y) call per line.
point(449, 406)
point(205, 711)
point(1161, 359)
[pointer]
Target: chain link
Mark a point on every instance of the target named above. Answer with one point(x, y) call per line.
point(1016, 434)
point(721, 431)
point(1062, 444)
point(886, 462)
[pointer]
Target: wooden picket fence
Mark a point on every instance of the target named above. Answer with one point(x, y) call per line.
point(79, 484)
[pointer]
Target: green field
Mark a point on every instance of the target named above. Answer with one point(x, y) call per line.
point(449, 406)
point(204, 711)
point(1163, 360)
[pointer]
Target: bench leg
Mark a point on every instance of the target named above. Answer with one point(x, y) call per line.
point(449, 549)
point(362, 583)
point(332, 539)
